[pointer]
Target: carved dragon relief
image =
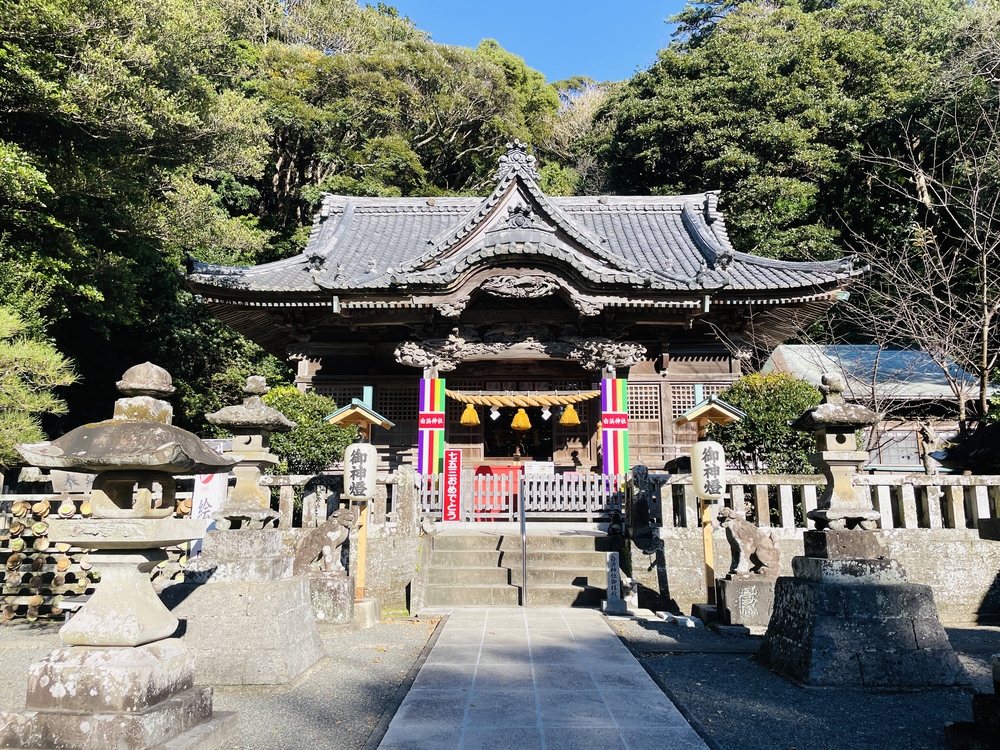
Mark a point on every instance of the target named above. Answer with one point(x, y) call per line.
point(531, 286)
point(522, 286)
point(453, 308)
point(445, 354)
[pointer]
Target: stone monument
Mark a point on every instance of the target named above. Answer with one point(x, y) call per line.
point(124, 682)
point(848, 615)
point(614, 604)
point(746, 594)
point(248, 617)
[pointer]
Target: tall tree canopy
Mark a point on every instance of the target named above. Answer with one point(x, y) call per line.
point(135, 132)
point(771, 102)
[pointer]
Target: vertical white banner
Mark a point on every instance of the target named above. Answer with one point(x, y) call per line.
point(208, 497)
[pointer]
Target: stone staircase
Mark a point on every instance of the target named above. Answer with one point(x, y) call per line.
point(476, 569)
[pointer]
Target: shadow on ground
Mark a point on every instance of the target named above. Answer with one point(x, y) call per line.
point(740, 704)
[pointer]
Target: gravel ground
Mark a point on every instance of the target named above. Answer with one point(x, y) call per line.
point(733, 701)
point(335, 704)
point(737, 703)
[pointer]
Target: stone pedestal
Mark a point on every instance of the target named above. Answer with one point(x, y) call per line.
point(332, 598)
point(745, 600)
point(247, 619)
point(92, 698)
point(854, 621)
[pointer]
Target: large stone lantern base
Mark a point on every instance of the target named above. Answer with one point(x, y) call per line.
point(91, 698)
point(248, 619)
point(849, 617)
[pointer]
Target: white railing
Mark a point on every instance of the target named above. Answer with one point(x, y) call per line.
point(905, 501)
point(572, 496)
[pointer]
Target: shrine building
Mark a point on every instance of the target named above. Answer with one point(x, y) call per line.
point(500, 318)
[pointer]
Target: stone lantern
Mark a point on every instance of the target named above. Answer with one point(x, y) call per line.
point(848, 616)
point(270, 638)
point(834, 423)
point(252, 424)
point(124, 682)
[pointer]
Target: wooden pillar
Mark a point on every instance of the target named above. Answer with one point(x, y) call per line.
point(359, 575)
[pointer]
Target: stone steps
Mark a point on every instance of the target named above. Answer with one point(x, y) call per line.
point(443, 595)
point(477, 569)
point(580, 542)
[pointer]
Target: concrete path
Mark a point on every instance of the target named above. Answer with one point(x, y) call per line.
point(514, 678)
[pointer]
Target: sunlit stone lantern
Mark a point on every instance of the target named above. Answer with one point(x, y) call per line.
point(251, 423)
point(124, 682)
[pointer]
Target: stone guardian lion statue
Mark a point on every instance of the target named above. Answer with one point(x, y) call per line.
point(753, 549)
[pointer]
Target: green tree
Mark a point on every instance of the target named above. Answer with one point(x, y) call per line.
point(762, 442)
point(314, 443)
point(30, 370)
point(772, 105)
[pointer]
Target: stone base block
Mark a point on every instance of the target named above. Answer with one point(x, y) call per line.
point(248, 633)
point(146, 729)
point(882, 635)
point(707, 613)
point(110, 680)
point(211, 735)
point(366, 613)
point(614, 607)
point(332, 598)
point(245, 544)
point(842, 570)
point(855, 544)
point(745, 601)
point(208, 570)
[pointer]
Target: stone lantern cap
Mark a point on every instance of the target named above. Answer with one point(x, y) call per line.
point(146, 379)
point(121, 446)
point(834, 412)
point(253, 413)
point(140, 437)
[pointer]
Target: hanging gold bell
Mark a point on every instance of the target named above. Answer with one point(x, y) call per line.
point(470, 417)
point(569, 417)
point(520, 421)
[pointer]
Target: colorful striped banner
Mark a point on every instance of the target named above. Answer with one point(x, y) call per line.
point(614, 425)
point(430, 421)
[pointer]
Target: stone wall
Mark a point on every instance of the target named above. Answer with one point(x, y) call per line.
point(962, 569)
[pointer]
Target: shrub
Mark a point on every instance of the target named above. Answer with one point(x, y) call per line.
point(762, 442)
point(314, 444)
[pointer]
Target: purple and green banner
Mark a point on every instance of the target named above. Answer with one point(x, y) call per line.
point(430, 451)
point(614, 425)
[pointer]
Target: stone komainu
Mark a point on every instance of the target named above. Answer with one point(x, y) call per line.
point(753, 549)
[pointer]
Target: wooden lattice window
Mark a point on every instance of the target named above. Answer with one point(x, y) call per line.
point(644, 402)
point(398, 403)
point(685, 396)
point(341, 394)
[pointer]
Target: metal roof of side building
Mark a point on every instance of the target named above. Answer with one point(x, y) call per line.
point(872, 372)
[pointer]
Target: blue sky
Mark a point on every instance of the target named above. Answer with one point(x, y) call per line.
point(606, 39)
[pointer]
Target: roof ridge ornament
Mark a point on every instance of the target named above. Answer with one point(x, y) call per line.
point(517, 159)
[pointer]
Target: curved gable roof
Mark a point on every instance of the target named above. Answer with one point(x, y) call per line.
point(668, 243)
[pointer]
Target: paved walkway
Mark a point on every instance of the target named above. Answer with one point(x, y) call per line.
point(557, 679)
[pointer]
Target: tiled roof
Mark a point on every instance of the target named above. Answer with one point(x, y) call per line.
point(662, 243)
